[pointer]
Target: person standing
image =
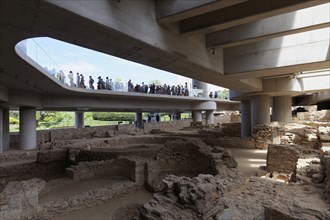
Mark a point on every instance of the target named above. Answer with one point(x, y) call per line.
point(186, 91)
point(91, 82)
point(107, 83)
point(77, 80)
point(82, 81)
point(70, 76)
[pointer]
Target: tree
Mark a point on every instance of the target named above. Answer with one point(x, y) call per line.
point(223, 94)
point(114, 116)
point(156, 82)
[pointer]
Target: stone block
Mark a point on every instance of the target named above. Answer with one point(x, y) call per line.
point(274, 214)
point(282, 158)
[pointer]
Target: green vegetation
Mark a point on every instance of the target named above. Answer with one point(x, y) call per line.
point(156, 82)
point(224, 94)
point(51, 120)
point(13, 121)
point(46, 119)
point(114, 116)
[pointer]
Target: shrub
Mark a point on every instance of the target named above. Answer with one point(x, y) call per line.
point(114, 116)
point(13, 121)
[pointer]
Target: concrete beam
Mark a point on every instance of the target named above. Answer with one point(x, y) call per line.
point(290, 23)
point(312, 99)
point(243, 13)
point(129, 30)
point(203, 106)
point(292, 85)
point(3, 93)
point(315, 83)
point(24, 98)
point(299, 52)
point(169, 11)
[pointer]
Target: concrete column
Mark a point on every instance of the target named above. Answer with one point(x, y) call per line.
point(79, 120)
point(1, 131)
point(27, 128)
point(281, 110)
point(201, 85)
point(246, 118)
point(210, 117)
point(197, 116)
point(260, 107)
point(6, 133)
point(4, 129)
point(177, 116)
point(138, 119)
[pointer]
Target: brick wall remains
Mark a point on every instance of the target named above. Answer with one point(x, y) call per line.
point(282, 158)
point(44, 136)
point(122, 167)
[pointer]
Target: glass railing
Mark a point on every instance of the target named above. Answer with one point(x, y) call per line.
point(43, 58)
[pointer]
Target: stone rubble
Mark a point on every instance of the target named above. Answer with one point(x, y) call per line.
point(189, 198)
point(191, 172)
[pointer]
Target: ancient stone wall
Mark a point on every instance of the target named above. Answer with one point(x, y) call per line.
point(282, 158)
point(181, 158)
point(30, 169)
point(323, 115)
point(267, 134)
point(233, 117)
point(231, 142)
point(186, 198)
point(325, 158)
point(231, 129)
point(20, 199)
point(122, 167)
point(23, 165)
point(44, 136)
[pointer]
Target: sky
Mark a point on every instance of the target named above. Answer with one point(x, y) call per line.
point(51, 53)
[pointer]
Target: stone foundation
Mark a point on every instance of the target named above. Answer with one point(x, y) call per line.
point(323, 115)
point(282, 158)
point(325, 158)
point(45, 136)
point(122, 167)
point(19, 200)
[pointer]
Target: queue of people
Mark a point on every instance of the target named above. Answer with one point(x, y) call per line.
point(79, 81)
point(159, 89)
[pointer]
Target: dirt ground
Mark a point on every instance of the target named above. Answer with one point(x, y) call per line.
point(109, 209)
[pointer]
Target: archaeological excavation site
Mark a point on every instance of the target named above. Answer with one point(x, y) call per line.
point(164, 109)
point(172, 170)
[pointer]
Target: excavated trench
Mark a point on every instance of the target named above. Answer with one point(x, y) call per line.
point(195, 173)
